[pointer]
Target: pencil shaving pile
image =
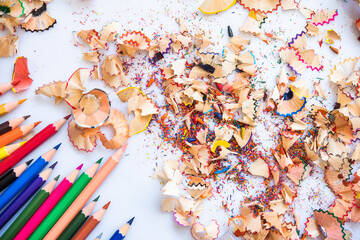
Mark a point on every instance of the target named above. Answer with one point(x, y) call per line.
point(90, 111)
point(30, 15)
point(212, 111)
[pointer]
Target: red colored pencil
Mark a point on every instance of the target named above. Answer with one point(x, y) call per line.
point(30, 145)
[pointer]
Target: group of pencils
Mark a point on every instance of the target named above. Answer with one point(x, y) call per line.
point(53, 212)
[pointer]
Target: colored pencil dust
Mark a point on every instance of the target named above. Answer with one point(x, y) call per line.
point(78, 221)
point(9, 149)
point(8, 107)
point(24, 196)
point(64, 203)
point(91, 223)
point(30, 209)
point(9, 177)
point(28, 175)
point(121, 232)
point(48, 205)
point(17, 133)
point(30, 145)
point(11, 124)
point(85, 195)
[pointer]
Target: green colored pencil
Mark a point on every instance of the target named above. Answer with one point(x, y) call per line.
point(64, 202)
point(78, 221)
point(30, 209)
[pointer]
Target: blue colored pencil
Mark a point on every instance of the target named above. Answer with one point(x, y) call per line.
point(25, 195)
point(26, 177)
point(121, 233)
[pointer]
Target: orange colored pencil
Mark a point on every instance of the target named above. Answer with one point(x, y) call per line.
point(8, 107)
point(17, 133)
point(91, 223)
point(85, 195)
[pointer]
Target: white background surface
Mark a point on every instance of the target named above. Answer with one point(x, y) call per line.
point(52, 56)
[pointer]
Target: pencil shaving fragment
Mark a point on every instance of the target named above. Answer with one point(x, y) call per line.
point(288, 194)
point(119, 123)
point(142, 107)
point(82, 138)
point(92, 38)
point(93, 110)
point(324, 16)
point(263, 6)
point(38, 19)
point(260, 168)
point(289, 5)
point(53, 89)
point(93, 56)
point(113, 73)
point(215, 6)
point(75, 86)
point(329, 224)
point(8, 45)
point(210, 232)
point(20, 79)
point(332, 36)
point(130, 42)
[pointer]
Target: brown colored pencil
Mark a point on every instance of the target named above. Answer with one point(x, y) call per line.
point(11, 124)
point(17, 133)
point(91, 223)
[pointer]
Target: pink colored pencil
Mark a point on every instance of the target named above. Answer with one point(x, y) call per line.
point(48, 205)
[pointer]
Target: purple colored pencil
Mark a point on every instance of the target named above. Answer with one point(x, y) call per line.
point(24, 196)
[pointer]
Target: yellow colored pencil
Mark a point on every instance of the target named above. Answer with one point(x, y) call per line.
point(8, 107)
point(9, 149)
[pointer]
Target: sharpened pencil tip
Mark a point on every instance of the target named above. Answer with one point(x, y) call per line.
point(96, 199)
point(28, 162)
point(80, 167)
point(67, 117)
point(100, 235)
point(53, 166)
point(37, 123)
point(26, 117)
point(106, 205)
point(57, 146)
point(57, 177)
point(131, 220)
point(22, 100)
point(99, 161)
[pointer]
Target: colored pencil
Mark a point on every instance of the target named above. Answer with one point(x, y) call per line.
point(9, 177)
point(8, 107)
point(121, 232)
point(48, 205)
point(12, 124)
point(30, 209)
point(24, 179)
point(85, 195)
point(4, 87)
point(91, 223)
point(30, 145)
point(99, 236)
point(17, 133)
point(24, 196)
point(64, 203)
point(9, 149)
point(78, 221)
